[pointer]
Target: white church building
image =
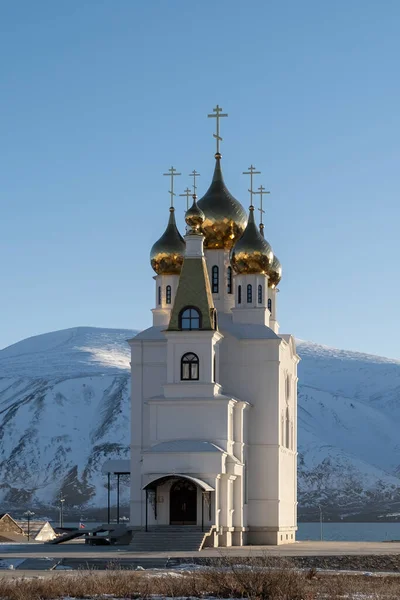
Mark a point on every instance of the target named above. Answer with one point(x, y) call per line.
point(214, 382)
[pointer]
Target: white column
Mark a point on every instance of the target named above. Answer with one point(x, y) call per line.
point(136, 501)
point(272, 296)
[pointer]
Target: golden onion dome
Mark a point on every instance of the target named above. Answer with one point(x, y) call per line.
point(195, 217)
point(225, 217)
point(275, 273)
point(252, 253)
point(167, 253)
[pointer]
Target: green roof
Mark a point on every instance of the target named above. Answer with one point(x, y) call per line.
point(193, 290)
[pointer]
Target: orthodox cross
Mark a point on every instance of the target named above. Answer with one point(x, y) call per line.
point(172, 173)
point(194, 174)
point(252, 171)
point(187, 193)
point(218, 114)
point(261, 193)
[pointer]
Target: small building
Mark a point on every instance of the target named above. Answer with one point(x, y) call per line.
point(10, 531)
point(39, 531)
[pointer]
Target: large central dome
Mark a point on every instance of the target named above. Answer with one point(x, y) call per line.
point(225, 217)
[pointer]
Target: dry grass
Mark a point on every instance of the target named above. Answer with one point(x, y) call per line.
point(258, 579)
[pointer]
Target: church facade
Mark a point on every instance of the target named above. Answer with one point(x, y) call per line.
point(214, 382)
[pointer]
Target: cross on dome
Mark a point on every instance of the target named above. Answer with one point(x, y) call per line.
point(187, 193)
point(252, 171)
point(194, 174)
point(218, 115)
point(261, 193)
point(172, 173)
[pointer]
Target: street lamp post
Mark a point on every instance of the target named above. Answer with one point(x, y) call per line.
point(28, 514)
point(320, 522)
point(62, 500)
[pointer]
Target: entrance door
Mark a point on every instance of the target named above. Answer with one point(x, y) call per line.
point(183, 503)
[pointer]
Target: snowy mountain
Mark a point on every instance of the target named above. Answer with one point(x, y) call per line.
point(348, 419)
point(64, 409)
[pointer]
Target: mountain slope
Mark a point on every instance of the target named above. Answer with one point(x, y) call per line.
point(348, 420)
point(64, 409)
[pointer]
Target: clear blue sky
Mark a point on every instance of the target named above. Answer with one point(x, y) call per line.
point(99, 98)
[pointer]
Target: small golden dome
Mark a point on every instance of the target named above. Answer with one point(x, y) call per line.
point(225, 217)
point(275, 273)
point(195, 217)
point(167, 253)
point(252, 253)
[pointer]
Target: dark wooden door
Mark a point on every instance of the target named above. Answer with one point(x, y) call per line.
point(183, 503)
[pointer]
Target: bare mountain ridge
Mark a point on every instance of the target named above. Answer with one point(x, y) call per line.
point(64, 409)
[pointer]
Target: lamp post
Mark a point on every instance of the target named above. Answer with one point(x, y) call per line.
point(28, 514)
point(320, 522)
point(62, 500)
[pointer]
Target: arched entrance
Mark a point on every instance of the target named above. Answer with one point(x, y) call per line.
point(183, 503)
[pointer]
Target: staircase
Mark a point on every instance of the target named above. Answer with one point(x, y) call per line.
point(169, 538)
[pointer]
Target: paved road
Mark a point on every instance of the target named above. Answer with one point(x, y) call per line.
point(82, 551)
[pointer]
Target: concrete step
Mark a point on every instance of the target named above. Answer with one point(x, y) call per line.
point(168, 539)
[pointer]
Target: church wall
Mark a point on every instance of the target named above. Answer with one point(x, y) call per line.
point(252, 371)
point(197, 420)
point(288, 449)
point(205, 465)
point(203, 348)
point(136, 432)
point(287, 488)
point(148, 373)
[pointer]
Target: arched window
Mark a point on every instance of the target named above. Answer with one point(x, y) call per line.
point(239, 294)
point(168, 294)
point(229, 280)
point(249, 294)
point(190, 318)
point(190, 367)
point(215, 279)
point(159, 295)
point(269, 304)
point(260, 294)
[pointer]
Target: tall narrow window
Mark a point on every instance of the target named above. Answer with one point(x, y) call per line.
point(215, 279)
point(249, 294)
point(239, 294)
point(287, 387)
point(260, 294)
point(159, 295)
point(168, 294)
point(190, 318)
point(229, 280)
point(190, 367)
point(269, 304)
point(287, 428)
